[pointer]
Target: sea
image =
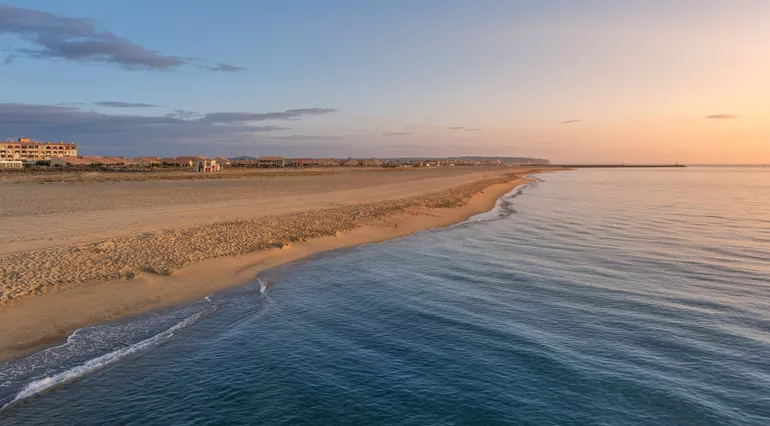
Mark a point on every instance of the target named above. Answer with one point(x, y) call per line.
point(587, 297)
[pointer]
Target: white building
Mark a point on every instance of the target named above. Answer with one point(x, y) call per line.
point(205, 165)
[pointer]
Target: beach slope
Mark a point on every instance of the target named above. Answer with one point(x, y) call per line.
point(88, 264)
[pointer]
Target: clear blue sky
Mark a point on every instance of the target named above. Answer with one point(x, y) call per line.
point(635, 80)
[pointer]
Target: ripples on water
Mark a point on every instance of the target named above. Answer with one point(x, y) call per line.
point(610, 297)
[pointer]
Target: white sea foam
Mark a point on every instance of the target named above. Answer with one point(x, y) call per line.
point(502, 207)
point(262, 286)
point(70, 339)
point(95, 364)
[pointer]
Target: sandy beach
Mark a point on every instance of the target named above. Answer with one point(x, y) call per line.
point(73, 254)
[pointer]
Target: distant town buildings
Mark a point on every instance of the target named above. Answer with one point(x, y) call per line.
point(91, 160)
point(148, 161)
point(244, 163)
point(197, 163)
point(26, 151)
point(178, 161)
point(301, 162)
point(200, 164)
point(326, 162)
point(271, 162)
point(60, 154)
point(304, 162)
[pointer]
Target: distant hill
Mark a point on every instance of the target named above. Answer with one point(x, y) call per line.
point(520, 160)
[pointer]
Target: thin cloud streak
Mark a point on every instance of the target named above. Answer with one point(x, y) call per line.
point(241, 117)
point(722, 117)
point(118, 104)
point(397, 134)
point(571, 121)
point(305, 137)
point(83, 40)
point(183, 113)
point(225, 68)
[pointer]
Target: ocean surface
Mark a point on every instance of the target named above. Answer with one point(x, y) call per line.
point(590, 297)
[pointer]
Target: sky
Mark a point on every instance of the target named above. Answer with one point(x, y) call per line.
point(574, 81)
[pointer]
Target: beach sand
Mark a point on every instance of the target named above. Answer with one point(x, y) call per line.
point(87, 263)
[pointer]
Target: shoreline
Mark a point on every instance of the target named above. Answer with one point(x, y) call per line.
point(42, 321)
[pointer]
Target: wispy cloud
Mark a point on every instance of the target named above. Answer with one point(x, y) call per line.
point(722, 117)
point(571, 121)
point(456, 128)
point(225, 68)
point(397, 134)
point(118, 104)
point(70, 104)
point(183, 113)
point(83, 40)
point(241, 117)
point(304, 137)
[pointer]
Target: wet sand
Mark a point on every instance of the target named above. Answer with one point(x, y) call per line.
point(84, 275)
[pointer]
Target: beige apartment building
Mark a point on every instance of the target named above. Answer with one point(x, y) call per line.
point(27, 151)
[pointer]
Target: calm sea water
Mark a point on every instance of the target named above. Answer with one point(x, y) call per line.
point(593, 297)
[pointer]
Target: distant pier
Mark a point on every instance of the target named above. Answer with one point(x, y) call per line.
point(611, 166)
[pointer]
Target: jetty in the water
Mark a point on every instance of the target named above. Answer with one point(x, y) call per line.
point(609, 166)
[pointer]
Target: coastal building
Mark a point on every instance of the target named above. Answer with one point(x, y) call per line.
point(11, 164)
point(91, 160)
point(466, 162)
point(186, 161)
point(205, 165)
point(25, 150)
point(301, 162)
point(271, 162)
point(222, 161)
point(71, 161)
point(178, 161)
point(351, 162)
point(244, 163)
point(326, 162)
point(371, 162)
point(147, 161)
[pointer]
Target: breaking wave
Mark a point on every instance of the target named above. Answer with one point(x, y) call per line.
point(42, 385)
point(91, 348)
point(504, 205)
